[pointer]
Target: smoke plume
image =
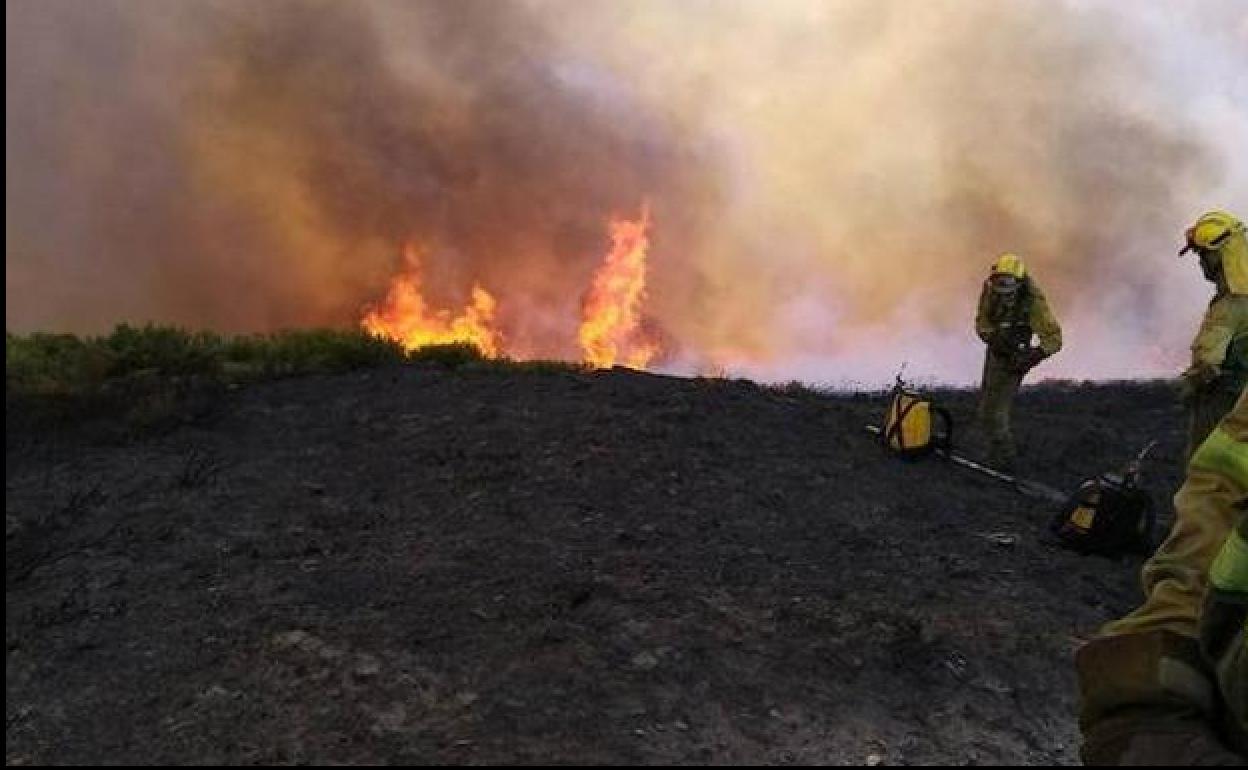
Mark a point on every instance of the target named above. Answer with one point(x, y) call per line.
point(828, 182)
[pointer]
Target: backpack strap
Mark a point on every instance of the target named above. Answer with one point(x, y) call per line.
point(942, 440)
point(899, 414)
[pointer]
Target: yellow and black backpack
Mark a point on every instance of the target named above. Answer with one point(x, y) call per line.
point(914, 426)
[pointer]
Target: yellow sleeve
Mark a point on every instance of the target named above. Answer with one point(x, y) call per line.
point(1226, 319)
point(1175, 576)
point(1044, 324)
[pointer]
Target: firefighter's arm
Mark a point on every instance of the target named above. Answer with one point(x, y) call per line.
point(983, 326)
point(1148, 698)
point(1164, 697)
point(1045, 324)
point(1148, 691)
point(1225, 317)
point(1175, 577)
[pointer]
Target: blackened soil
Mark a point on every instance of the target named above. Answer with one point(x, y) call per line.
point(415, 565)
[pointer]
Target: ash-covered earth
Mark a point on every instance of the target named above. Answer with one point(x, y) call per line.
point(419, 565)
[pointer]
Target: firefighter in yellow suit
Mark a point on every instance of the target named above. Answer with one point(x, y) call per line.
point(1168, 683)
point(1219, 367)
point(1012, 310)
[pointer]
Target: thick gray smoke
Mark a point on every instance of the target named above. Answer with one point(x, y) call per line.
point(829, 181)
point(247, 166)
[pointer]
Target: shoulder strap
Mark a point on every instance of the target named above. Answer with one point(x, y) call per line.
point(899, 414)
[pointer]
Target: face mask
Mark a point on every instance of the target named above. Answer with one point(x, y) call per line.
point(1005, 284)
point(1211, 264)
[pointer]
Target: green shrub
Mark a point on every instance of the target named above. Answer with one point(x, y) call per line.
point(150, 374)
point(307, 351)
point(165, 350)
point(148, 377)
point(53, 364)
point(451, 355)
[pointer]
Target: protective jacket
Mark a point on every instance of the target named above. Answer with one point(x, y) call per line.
point(1220, 350)
point(1167, 682)
point(1219, 368)
point(1006, 322)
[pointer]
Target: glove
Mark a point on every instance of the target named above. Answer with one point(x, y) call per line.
point(1002, 346)
point(1029, 358)
point(1195, 380)
point(1156, 738)
point(1128, 715)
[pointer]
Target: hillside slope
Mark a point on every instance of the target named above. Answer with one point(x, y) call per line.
point(415, 565)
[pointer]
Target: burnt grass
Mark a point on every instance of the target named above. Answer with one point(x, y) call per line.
point(419, 565)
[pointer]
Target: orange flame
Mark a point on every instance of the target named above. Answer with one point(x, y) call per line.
point(403, 316)
point(612, 328)
point(611, 321)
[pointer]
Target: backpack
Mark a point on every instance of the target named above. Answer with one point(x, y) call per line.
point(1107, 515)
point(909, 429)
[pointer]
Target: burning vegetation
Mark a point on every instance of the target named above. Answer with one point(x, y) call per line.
point(613, 328)
point(405, 317)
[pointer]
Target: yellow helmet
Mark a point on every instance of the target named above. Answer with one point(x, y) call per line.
point(1010, 264)
point(1219, 238)
point(1211, 232)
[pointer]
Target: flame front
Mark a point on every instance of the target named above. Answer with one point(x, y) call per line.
point(611, 321)
point(403, 316)
point(612, 327)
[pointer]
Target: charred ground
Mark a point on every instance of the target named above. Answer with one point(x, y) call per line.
point(416, 565)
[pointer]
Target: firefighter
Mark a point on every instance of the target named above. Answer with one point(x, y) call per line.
point(1220, 351)
point(1168, 683)
point(1012, 310)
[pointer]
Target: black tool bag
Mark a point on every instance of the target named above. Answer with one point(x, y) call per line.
point(1107, 516)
